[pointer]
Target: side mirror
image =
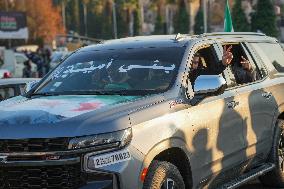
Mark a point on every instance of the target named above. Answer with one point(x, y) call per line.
point(30, 85)
point(209, 85)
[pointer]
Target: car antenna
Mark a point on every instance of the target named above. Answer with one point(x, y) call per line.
point(178, 37)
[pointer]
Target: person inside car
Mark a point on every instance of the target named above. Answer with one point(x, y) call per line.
point(198, 69)
point(27, 71)
point(117, 80)
point(244, 72)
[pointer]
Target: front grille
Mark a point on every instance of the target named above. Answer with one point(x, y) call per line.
point(42, 177)
point(34, 145)
point(37, 173)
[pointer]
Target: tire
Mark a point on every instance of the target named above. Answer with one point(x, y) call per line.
point(161, 174)
point(275, 178)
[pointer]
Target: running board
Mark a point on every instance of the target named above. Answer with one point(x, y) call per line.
point(254, 173)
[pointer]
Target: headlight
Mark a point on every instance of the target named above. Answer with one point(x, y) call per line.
point(116, 139)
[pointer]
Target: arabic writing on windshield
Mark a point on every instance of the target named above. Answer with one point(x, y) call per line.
point(92, 67)
point(139, 69)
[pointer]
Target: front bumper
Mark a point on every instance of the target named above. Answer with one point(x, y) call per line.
point(66, 170)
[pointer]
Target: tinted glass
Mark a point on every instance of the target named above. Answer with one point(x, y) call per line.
point(22, 88)
point(6, 92)
point(274, 52)
point(57, 57)
point(133, 71)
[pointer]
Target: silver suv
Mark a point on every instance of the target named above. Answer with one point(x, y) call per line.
point(134, 113)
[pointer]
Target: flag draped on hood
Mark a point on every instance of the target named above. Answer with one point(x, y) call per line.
point(228, 24)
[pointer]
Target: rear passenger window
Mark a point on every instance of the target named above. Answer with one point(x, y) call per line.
point(242, 69)
point(272, 51)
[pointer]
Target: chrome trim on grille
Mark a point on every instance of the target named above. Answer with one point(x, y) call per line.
point(67, 152)
point(40, 163)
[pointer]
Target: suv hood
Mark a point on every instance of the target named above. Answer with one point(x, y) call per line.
point(53, 109)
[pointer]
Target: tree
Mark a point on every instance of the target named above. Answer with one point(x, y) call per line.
point(122, 25)
point(123, 11)
point(94, 21)
point(240, 21)
point(43, 19)
point(73, 16)
point(128, 18)
point(158, 6)
point(182, 18)
point(159, 25)
point(264, 19)
point(107, 27)
point(137, 23)
point(199, 22)
point(85, 15)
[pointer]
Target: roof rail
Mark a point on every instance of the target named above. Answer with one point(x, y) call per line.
point(231, 33)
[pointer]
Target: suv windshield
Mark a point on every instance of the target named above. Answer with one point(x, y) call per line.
point(123, 71)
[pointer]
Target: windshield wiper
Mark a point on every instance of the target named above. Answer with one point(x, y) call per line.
point(116, 92)
point(44, 94)
point(99, 92)
point(94, 92)
point(133, 92)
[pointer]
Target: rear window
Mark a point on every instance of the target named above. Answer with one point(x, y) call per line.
point(272, 51)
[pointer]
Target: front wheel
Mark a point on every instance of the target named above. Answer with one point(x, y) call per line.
point(275, 178)
point(163, 175)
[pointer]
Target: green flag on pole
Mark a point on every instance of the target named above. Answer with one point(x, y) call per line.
point(228, 24)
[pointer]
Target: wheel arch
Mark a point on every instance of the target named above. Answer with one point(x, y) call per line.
point(281, 116)
point(278, 115)
point(173, 150)
point(279, 110)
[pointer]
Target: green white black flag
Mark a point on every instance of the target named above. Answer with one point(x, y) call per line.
point(228, 24)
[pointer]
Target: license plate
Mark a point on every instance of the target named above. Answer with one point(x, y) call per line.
point(111, 158)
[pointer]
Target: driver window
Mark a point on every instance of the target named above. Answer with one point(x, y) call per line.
point(204, 62)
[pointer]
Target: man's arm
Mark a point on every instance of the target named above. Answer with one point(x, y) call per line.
point(222, 64)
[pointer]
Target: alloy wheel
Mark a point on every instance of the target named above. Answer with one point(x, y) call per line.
point(168, 184)
point(281, 151)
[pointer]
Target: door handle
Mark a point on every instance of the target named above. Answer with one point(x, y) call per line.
point(232, 104)
point(267, 95)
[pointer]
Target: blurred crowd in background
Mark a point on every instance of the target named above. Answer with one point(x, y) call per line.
point(27, 62)
point(41, 58)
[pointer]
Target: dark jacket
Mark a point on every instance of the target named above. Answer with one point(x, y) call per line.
point(242, 76)
point(206, 71)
